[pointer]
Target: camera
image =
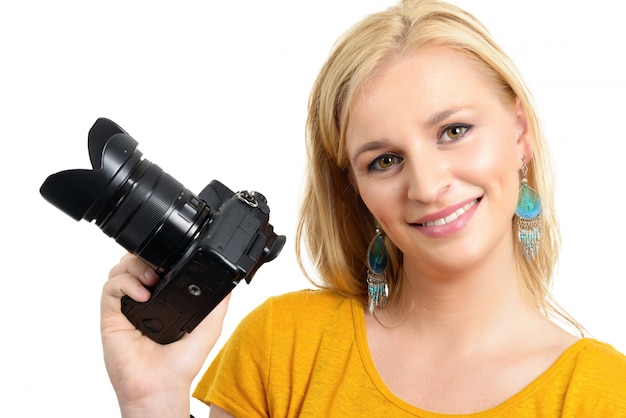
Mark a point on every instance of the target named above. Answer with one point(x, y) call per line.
point(201, 246)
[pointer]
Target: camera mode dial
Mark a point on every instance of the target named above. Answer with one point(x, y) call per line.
point(253, 199)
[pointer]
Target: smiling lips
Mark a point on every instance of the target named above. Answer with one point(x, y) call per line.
point(451, 217)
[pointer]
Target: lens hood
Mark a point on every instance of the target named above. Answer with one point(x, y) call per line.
point(82, 193)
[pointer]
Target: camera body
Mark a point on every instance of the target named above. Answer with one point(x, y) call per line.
point(226, 250)
point(200, 246)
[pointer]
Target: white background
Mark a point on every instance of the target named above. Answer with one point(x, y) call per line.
point(220, 91)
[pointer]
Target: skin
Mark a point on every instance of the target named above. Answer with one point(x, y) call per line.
point(429, 134)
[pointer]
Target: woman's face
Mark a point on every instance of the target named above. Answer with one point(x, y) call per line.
point(435, 151)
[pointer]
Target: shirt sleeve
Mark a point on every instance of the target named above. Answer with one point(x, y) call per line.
point(236, 380)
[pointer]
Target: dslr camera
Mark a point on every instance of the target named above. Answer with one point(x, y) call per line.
point(200, 246)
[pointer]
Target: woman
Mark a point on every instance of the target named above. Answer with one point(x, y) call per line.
point(429, 216)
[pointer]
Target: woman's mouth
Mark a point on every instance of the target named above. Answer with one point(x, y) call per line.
point(451, 217)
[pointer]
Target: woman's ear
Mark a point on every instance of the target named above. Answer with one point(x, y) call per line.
point(524, 140)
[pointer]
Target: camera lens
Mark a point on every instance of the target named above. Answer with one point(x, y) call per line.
point(144, 209)
point(153, 216)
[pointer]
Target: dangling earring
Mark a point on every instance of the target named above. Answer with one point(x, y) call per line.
point(377, 289)
point(528, 213)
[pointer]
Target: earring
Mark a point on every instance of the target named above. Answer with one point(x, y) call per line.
point(377, 257)
point(528, 213)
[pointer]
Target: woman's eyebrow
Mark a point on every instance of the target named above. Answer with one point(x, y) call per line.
point(441, 116)
point(369, 146)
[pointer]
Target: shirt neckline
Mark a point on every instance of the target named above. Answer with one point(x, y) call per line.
point(529, 390)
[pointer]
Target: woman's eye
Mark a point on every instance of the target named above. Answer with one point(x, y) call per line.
point(384, 162)
point(454, 132)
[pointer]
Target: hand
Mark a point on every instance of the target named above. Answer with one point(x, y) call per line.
point(150, 379)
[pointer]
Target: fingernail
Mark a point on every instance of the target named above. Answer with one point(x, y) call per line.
point(150, 274)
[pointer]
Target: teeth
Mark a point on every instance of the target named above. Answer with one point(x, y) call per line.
point(452, 216)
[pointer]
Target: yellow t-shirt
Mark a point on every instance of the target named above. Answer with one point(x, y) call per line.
point(305, 354)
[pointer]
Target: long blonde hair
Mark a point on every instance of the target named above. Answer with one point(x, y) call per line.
point(335, 225)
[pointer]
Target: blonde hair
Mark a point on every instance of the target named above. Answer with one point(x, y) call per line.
point(335, 225)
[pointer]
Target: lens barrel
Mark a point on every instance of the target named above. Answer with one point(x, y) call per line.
point(155, 216)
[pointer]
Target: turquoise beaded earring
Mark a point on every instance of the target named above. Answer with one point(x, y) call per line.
point(528, 213)
point(377, 258)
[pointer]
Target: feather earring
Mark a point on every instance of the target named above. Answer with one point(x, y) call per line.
point(377, 258)
point(528, 213)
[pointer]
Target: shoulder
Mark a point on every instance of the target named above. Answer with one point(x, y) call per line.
point(599, 359)
point(303, 308)
point(598, 379)
point(311, 307)
point(281, 321)
point(302, 322)
point(306, 300)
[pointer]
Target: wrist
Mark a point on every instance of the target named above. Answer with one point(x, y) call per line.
point(171, 404)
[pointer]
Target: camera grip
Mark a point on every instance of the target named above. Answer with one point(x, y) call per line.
point(183, 298)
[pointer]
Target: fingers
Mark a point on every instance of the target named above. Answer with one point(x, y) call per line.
point(134, 266)
point(125, 285)
point(129, 277)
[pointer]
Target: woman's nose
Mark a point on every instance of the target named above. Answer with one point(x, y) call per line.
point(428, 176)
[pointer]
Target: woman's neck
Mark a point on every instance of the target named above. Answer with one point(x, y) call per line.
point(464, 309)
